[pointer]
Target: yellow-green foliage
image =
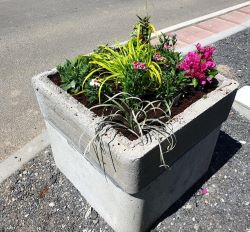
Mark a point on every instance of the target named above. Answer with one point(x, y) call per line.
point(112, 63)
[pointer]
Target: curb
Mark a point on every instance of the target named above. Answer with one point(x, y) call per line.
point(242, 101)
point(214, 38)
point(22, 156)
point(200, 19)
point(39, 143)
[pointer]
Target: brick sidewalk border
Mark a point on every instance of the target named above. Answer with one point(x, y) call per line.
point(210, 28)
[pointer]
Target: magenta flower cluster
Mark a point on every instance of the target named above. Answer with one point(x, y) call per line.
point(197, 64)
point(137, 65)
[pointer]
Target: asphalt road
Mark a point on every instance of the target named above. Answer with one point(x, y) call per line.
point(36, 35)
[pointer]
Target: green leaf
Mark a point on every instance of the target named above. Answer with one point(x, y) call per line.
point(212, 72)
point(195, 83)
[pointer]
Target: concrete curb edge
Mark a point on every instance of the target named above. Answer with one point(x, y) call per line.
point(23, 155)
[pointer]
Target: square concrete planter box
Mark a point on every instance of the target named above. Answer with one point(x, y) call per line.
point(133, 191)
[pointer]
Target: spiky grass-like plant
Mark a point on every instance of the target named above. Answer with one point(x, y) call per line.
point(140, 121)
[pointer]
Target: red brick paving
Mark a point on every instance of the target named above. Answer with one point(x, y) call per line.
point(245, 10)
point(202, 30)
point(181, 44)
point(192, 34)
point(216, 25)
point(236, 17)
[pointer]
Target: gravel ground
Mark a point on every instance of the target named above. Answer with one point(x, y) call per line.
point(40, 198)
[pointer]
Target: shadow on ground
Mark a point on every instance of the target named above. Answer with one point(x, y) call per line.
point(225, 149)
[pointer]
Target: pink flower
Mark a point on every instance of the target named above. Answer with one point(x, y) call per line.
point(210, 64)
point(158, 57)
point(206, 52)
point(196, 64)
point(167, 46)
point(139, 65)
point(204, 191)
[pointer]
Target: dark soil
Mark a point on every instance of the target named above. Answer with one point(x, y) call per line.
point(187, 99)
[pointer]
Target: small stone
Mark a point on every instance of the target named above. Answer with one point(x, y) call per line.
point(187, 206)
point(95, 221)
point(222, 200)
point(88, 213)
point(51, 204)
point(247, 203)
point(159, 225)
point(242, 142)
point(36, 174)
point(225, 177)
point(193, 219)
point(196, 226)
point(26, 215)
point(24, 172)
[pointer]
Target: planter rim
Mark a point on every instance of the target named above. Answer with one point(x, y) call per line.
point(225, 87)
point(133, 161)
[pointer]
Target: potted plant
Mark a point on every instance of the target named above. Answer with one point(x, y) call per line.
point(134, 126)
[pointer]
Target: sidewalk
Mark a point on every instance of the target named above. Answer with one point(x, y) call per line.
point(39, 198)
point(206, 30)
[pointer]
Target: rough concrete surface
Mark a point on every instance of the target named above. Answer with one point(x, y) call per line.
point(39, 198)
point(37, 35)
point(128, 165)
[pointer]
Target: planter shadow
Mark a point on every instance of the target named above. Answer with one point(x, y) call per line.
point(226, 148)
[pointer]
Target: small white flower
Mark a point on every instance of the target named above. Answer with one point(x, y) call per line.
point(94, 82)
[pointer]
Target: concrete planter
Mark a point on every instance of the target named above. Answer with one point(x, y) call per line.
point(134, 191)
